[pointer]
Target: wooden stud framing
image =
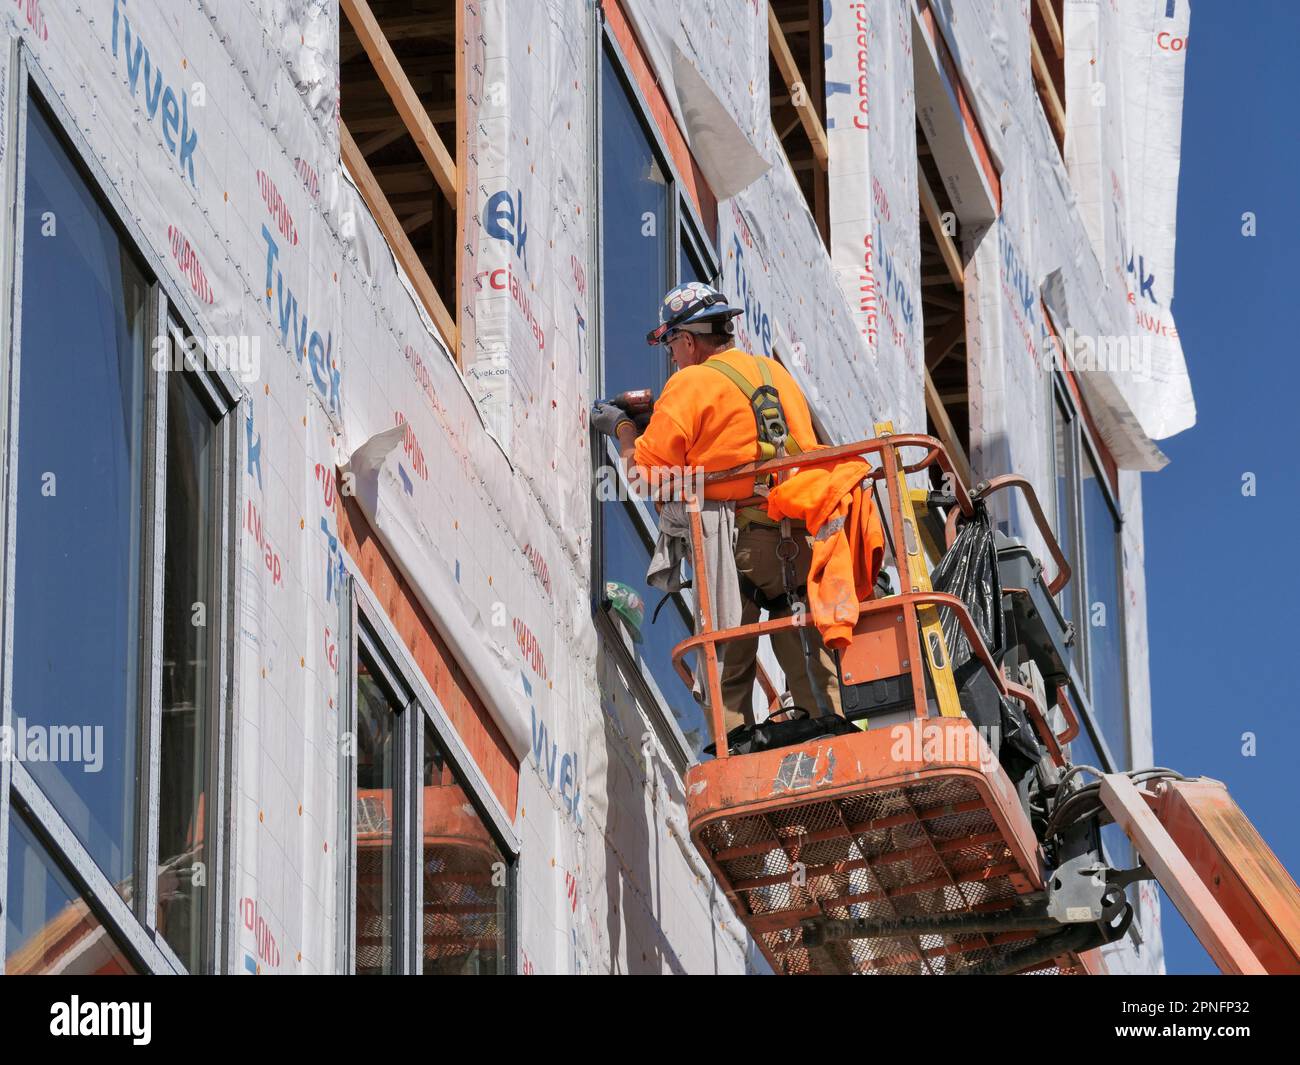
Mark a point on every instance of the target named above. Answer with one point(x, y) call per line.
point(812, 124)
point(403, 95)
point(394, 234)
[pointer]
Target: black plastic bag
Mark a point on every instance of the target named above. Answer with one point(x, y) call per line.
point(800, 727)
point(970, 571)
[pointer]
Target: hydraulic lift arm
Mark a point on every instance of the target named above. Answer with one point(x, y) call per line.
point(1225, 880)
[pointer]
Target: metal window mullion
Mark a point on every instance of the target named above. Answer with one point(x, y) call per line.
point(222, 639)
point(233, 624)
point(13, 128)
point(116, 914)
point(153, 546)
point(514, 871)
point(382, 663)
point(346, 847)
point(1074, 502)
point(415, 840)
point(595, 290)
point(221, 819)
point(401, 833)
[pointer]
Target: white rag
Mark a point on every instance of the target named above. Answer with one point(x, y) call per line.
point(718, 520)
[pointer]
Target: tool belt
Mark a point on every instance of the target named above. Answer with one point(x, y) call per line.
point(776, 604)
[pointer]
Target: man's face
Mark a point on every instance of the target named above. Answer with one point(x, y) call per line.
point(683, 351)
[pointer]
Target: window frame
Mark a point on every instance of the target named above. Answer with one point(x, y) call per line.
point(687, 234)
point(1093, 454)
point(1083, 444)
point(363, 620)
point(132, 925)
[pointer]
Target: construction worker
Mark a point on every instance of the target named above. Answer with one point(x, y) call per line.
point(708, 417)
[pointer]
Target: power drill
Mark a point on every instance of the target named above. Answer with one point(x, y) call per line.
point(639, 403)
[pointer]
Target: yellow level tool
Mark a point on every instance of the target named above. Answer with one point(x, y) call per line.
point(918, 568)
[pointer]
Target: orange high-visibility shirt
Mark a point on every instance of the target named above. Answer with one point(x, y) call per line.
point(702, 419)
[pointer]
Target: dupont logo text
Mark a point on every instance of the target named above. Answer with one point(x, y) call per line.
point(188, 260)
point(278, 208)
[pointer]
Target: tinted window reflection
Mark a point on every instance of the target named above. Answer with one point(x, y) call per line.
point(1105, 621)
point(466, 884)
point(636, 250)
point(49, 928)
point(376, 759)
point(77, 584)
point(188, 609)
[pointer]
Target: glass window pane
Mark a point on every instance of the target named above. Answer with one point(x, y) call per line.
point(77, 584)
point(189, 613)
point(376, 861)
point(1066, 478)
point(687, 268)
point(1117, 846)
point(636, 250)
point(626, 559)
point(1108, 689)
point(466, 882)
point(49, 928)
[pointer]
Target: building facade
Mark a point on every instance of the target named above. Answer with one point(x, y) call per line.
point(304, 307)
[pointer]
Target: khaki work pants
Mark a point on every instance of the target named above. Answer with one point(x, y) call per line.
point(756, 558)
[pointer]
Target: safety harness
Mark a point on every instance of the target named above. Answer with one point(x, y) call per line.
point(774, 436)
point(774, 441)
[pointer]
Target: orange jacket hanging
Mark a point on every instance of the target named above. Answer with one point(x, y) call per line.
point(848, 541)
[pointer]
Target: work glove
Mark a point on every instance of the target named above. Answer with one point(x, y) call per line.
point(607, 417)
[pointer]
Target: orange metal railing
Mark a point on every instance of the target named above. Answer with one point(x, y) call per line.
point(887, 448)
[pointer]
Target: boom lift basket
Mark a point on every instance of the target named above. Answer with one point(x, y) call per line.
point(909, 825)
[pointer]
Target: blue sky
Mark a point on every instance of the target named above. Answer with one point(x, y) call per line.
point(1223, 643)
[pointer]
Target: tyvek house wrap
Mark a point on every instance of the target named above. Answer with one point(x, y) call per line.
point(1125, 68)
point(166, 111)
point(1123, 112)
point(286, 252)
point(773, 261)
point(1037, 250)
point(501, 524)
point(484, 505)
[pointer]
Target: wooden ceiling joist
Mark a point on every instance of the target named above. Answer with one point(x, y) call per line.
point(1047, 11)
point(405, 99)
point(399, 28)
point(395, 132)
point(948, 336)
point(789, 69)
point(403, 177)
point(393, 232)
point(1047, 90)
point(947, 247)
point(944, 427)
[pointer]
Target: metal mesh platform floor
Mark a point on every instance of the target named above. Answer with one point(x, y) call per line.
point(925, 845)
